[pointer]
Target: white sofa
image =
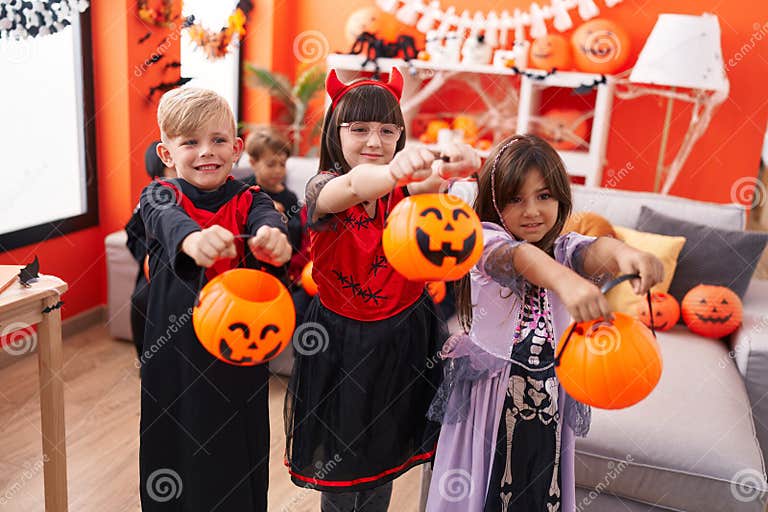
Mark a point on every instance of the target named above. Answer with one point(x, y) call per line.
point(695, 443)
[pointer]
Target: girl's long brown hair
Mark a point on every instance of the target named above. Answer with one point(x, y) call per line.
point(363, 103)
point(516, 156)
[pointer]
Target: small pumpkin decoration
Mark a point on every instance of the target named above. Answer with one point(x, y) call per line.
point(600, 46)
point(666, 311)
point(436, 290)
point(610, 365)
point(563, 128)
point(244, 317)
point(433, 127)
point(432, 237)
point(712, 311)
point(551, 51)
point(309, 284)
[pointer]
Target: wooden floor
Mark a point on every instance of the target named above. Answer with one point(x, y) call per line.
point(102, 423)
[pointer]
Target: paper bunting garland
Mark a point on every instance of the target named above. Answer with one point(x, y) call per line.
point(432, 17)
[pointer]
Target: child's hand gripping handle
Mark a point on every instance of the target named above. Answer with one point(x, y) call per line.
point(605, 288)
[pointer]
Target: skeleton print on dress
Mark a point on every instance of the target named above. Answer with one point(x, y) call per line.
point(526, 464)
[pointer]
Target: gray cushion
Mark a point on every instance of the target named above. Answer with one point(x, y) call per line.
point(688, 445)
point(710, 255)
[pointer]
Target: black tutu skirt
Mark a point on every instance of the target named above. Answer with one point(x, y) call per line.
point(357, 401)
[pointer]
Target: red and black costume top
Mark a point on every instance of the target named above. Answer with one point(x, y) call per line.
point(352, 274)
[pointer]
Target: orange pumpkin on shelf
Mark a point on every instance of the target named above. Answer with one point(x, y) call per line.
point(712, 311)
point(610, 365)
point(307, 282)
point(564, 128)
point(244, 317)
point(600, 46)
point(436, 290)
point(666, 311)
point(433, 127)
point(551, 51)
point(432, 237)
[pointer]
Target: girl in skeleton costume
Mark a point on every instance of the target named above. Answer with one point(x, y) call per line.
point(507, 440)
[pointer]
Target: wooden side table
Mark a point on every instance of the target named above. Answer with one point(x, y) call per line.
point(39, 305)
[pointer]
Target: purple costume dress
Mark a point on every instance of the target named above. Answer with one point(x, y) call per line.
point(507, 440)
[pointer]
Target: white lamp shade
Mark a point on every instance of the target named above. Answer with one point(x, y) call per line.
point(683, 51)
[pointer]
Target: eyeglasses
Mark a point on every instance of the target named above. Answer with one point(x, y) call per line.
point(388, 133)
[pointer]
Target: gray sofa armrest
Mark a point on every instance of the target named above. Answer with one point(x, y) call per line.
point(121, 278)
point(749, 349)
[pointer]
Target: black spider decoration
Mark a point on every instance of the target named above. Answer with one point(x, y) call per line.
point(375, 48)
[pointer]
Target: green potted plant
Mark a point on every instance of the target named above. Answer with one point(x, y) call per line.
point(294, 98)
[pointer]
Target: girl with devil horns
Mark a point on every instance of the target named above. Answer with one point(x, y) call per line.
point(365, 369)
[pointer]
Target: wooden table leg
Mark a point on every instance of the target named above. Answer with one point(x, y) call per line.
point(50, 357)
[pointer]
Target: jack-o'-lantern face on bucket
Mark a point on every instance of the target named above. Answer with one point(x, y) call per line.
point(245, 317)
point(433, 237)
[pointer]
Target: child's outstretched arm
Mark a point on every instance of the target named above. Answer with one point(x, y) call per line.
point(460, 161)
point(167, 222)
point(615, 257)
point(582, 299)
point(368, 182)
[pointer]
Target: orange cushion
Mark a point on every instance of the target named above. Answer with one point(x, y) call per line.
point(588, 223)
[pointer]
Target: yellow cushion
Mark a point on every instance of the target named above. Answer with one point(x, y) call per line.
point(667, 248)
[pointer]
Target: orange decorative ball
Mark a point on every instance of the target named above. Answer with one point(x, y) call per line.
point(666, 311)
point(245, 317)
point(564, 128)
point(432, 237)
point(610, 365)
point(600, 46)
point(436, 290)
point(309, 284)
point(711, 311)
point(551, 51)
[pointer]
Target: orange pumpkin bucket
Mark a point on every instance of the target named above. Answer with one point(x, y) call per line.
point(433, 237)
point(609, 365)
point(307, 282)
point(244, 317)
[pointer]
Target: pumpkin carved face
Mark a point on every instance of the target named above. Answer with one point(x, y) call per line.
point(244, 317)
point(666, 311)
point(600, 46)
point(551, 51)
point(432, 237)
point(610, 365)
point(711, 311)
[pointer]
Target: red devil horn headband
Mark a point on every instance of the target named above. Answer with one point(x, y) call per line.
point(337, 89)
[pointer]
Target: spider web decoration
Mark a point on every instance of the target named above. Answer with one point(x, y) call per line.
point(22, 19)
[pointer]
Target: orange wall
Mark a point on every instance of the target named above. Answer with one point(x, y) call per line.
point(728, 150)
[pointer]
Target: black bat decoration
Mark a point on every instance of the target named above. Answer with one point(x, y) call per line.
point(29, 273)
point(174, 64)
point(167, 86)
point(145, 37)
